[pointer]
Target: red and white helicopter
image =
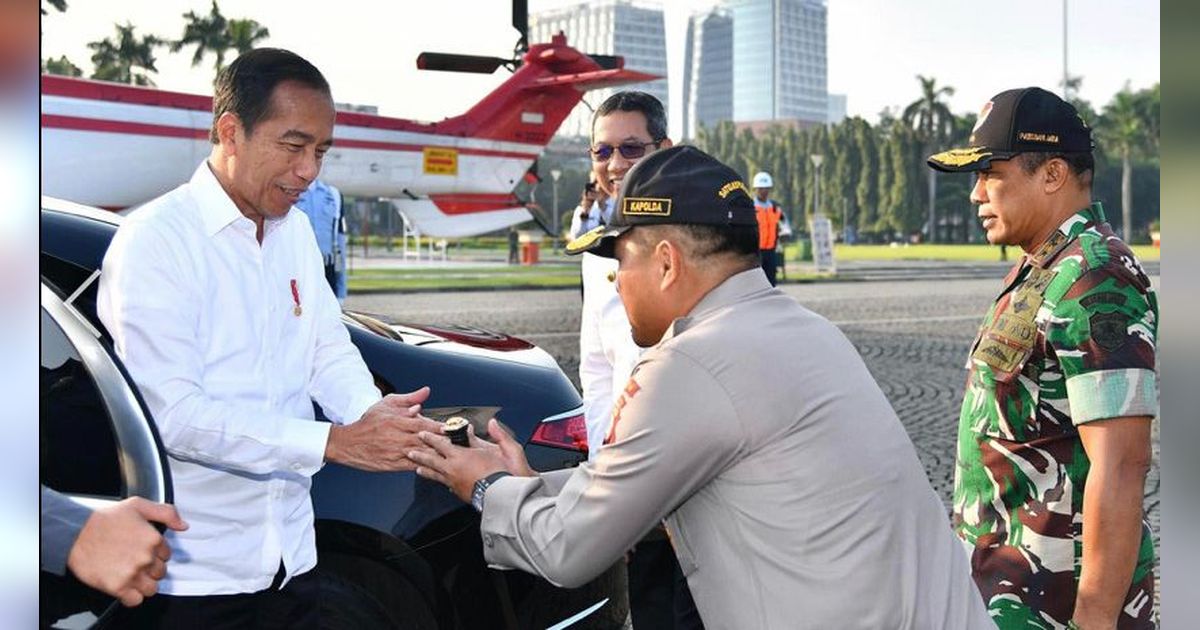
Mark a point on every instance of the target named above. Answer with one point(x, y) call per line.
point(116, 146)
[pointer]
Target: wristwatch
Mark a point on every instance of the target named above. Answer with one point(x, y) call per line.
point(481, 487)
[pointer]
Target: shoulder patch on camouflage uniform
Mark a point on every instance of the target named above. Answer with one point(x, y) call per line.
point(1107, 297)
point(1108, 330)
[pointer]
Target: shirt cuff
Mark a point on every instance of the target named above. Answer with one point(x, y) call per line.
point(1112, 394)
point(504, 497)
point(305, 441)
point(359, 406)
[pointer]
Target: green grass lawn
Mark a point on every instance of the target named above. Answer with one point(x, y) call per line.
point(566, 274)
point(958, 253)
point(399, 279)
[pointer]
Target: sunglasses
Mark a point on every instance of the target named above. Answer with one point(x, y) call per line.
point(629, 150)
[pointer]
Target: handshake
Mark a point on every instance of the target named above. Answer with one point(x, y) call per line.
point(383, 437)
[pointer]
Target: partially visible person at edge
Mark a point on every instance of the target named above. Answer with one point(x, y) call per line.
point(216, 299)
point(769, 215)
point(322, 204)
point(594, 209)
point(115, 549)
point(626, 127)
point(1054, 434)
point(774, 524)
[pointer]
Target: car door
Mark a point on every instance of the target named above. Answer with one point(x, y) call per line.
point(97, 443)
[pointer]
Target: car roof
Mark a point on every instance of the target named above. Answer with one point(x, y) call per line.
point(77, 209)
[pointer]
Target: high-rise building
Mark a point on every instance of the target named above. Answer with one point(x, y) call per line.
point(633, 30)
point(837, 108)
point(779, 62)
point(708, 71)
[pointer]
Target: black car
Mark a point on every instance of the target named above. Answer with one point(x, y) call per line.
point(394, 550)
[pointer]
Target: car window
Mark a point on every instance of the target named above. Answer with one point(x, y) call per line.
point(78, 446)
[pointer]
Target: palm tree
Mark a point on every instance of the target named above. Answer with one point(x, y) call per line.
point(60, 5)
point(932, 121)
point(129, 60)
point(1123, 130)
point(62, 66)
point(209, 33)
point(245, 34)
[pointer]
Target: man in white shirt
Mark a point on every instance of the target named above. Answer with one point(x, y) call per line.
point(217, 303)
point(626, 127)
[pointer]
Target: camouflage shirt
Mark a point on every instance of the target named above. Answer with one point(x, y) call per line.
point(1071, 339)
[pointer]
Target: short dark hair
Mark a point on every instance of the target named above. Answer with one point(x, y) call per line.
point(635, 101)
point(710, 241)
point(1082, 164)
point(245, 86)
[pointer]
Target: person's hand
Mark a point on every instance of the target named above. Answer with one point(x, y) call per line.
point(382, 438)
point(459, 468)
point(510, 449)
point(404, 402)
point(121, 553)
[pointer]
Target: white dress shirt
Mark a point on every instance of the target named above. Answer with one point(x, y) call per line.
point(607, 353)
point(206, 321)
point(597, 215)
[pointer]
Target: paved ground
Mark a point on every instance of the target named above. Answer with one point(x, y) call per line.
point(913, 336)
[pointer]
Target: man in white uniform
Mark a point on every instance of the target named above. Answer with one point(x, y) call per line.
point(626, 127)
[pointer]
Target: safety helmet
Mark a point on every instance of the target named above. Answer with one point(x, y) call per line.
point(762, 179)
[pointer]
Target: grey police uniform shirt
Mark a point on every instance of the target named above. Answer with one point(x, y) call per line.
point(792, 494)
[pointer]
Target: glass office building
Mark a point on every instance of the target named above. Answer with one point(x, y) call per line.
point(633, 30)
point(708, 71)
point(779, 62)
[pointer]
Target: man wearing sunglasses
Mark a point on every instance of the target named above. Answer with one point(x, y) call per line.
point(626, 127)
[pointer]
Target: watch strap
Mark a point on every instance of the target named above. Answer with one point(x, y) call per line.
point(481, 487)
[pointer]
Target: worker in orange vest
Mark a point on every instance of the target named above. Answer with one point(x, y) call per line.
point(769, 216)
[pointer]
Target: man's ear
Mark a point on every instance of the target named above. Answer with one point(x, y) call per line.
point(665, 143)
point(668, 260)
point(1055, 175)
point(229, 128)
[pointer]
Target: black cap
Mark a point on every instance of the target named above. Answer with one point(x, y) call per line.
point(1028, 120)
point(679, 185)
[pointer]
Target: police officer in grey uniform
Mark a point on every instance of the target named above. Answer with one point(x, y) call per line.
point(801, 506)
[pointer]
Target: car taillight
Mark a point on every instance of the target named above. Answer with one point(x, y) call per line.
point(569, 432)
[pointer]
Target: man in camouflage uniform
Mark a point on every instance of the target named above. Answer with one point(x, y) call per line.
point(1054, 433)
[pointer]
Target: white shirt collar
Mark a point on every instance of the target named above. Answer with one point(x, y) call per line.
point(217, 209)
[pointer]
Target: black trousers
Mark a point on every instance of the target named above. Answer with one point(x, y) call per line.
point(769, 264)
point(659, 598)
point(296, 605)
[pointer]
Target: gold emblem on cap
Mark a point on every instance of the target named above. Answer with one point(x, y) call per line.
point(732, 186)
point(960, 157)
point(650, 206)
point(586, 239)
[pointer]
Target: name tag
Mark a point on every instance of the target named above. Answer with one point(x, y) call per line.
point(1002, 357)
